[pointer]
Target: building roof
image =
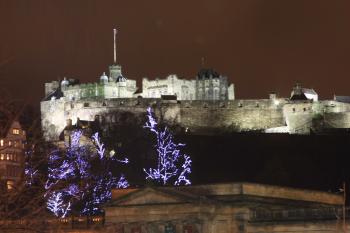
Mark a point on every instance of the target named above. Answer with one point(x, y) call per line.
point(299, 96)
point(8, 118)
point(87, 126)
point(6, 125)
point(309, 91)
point(299, 93)
point(121, 78)
point(229, 192)
point(56, 94)
point(207, 74)
point(343, 99)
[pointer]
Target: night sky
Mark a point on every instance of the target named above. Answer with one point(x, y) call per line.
point(261, 45)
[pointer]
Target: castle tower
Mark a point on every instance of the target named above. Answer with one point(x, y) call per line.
point(115, 71)
point(104, 78)
point(64, 83)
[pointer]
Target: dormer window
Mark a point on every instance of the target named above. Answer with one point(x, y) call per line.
point(15, 131)
point(2, 142)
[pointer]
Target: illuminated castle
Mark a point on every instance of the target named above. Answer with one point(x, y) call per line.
point(208, 85)
point(203, 105)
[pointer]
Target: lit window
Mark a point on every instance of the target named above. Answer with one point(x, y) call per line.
point(15, 131)
point(10, 143)
point(7, 157)
point(1, 142)
point(2, 156)
point(15, 143)
point(10, 184)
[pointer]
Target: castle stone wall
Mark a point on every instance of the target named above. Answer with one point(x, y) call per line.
point(202, 117)
point(195, 116)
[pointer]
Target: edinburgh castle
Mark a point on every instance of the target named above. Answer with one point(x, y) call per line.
point(204, 105)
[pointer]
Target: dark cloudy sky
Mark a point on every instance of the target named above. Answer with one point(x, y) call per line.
point(262, 45)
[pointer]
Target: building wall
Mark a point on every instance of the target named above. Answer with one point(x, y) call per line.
point(325, 226)
point(199, 89)
point(197, 116)
point(101, 90)
point(204, 117)
point(172, 85)
point(226, 208)
point(51, 87)
point(214, 89)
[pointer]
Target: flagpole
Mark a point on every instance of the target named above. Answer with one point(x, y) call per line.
point(115, 46)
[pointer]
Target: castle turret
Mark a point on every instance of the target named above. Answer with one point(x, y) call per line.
point(51, 87)
point(104, 78)
point(64, 83)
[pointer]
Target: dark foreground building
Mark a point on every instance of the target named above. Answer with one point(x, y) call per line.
point(223, 208)
point(215, 208)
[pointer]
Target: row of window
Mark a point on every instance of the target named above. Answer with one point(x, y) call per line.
point(304, 109)
point(10, 157)
point(15, 131)
point(88, 93)
point(14, 143)
point(208, 93)
point(13, 171)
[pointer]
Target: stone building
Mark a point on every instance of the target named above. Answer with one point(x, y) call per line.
point(115, 86)
point(213, 208)
point(212, 86)
point(223, 208)
point(181, 88)
point(208, 85)
point(12, 138)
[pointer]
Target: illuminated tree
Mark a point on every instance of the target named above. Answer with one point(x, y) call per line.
point(56, 204)
point(80, 177)
point(172, 167)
